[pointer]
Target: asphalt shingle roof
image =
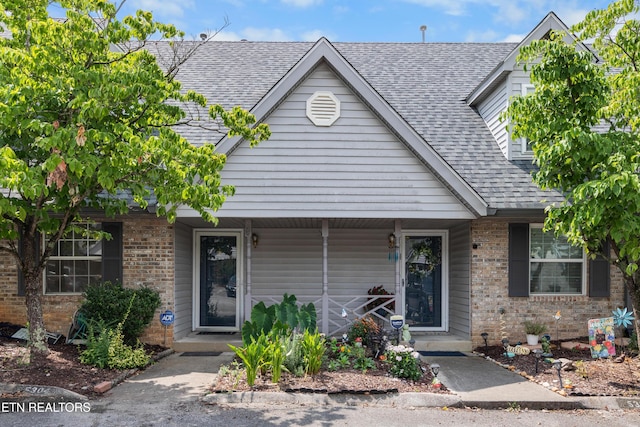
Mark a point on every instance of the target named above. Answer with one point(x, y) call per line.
point(426, 83)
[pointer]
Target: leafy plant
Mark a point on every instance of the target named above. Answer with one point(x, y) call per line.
point(364, 328)
point(534, 328)
point(404, 361)
point(294, 360)
point(233, 371)
point(110, 302)
point(252, 356)
point(360, 359)
point(283, 317)
point(276, 358)
point(376, 302)
point(106, 346)
point(313, 349)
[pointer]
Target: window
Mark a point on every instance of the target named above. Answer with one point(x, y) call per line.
point(75, 262)
point(525, 143)
point(555, 267)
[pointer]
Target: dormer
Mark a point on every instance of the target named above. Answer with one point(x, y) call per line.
point(508, 79)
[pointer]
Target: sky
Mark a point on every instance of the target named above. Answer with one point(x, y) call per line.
point(363, 20)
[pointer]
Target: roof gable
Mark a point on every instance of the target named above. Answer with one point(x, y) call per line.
point(324, 52)
point(551, 22)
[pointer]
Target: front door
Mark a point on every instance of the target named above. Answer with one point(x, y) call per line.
point(217, 285)
point(425, 281)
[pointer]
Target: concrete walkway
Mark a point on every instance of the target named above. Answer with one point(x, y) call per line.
point(181, 379)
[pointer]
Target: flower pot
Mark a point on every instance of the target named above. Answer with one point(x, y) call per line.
point(532, 339)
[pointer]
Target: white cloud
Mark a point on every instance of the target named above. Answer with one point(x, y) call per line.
point(227, 36)
point(314, 35)
point(163, 8)
point(264, 34)
point(513, 38)
point(302, 3)
point(481, 36)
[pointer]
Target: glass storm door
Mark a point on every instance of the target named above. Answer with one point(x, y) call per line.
point(217, 289)
point(423, 290)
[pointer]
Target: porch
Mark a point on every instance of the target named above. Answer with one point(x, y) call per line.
point(217, 342)
point(335, 316)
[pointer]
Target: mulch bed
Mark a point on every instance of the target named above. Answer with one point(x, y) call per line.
point(63, 369)
point(600, 377)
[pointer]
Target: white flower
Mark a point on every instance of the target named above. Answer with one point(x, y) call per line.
point(415, 354)
point(399, 358)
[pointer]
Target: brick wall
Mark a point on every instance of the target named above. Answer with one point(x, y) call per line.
point(489, 293)
point(148, 247)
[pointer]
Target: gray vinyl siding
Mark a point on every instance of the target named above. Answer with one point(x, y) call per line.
point(490, 110)
point(287, 261)
point(355, 168)
point(359, 260)
point(459, 280)
point(183, 281)
point(517, 80)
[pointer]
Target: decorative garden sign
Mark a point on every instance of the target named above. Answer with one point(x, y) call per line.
point(601, 337)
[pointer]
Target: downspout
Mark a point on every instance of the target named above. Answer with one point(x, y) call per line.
point(397, 252)
point(248, 229)
point(325, 276)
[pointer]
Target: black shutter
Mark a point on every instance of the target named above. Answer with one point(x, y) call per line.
point(112, 252)
point(518, 260)
point(599, 279)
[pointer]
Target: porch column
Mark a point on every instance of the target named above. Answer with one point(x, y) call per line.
point(325, 276)
point(248, 230)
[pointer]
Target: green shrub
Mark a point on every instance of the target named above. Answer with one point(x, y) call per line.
point(253, 357)
point(313, 349)
point(404, 361)
point(109, 302)
point(283, 318)
point(106, 347)
point(294, 359)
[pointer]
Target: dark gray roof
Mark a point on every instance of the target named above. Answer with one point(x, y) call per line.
point(426, 83)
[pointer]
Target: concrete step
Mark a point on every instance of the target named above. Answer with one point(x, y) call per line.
point(218, 343)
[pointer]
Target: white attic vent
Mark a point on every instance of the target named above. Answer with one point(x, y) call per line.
point(323, 108)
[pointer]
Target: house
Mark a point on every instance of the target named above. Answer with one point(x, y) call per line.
point(388, 168)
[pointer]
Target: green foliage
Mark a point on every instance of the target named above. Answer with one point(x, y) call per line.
point(596, 167)
point(363, 328)
point(98, 342)
point(82, 122)
point(313, 349)
point(234, 371)
point(294, 360)
point(283, 317)
point(106, 347)
point(534, 328)
point(345, 355)
point(404, 361)
point(252, 356)
point(276, 358)
point(110, 302)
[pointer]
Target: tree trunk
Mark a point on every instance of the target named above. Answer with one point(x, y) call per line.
point(38, 348)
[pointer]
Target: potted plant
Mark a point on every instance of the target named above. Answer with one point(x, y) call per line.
point(533, 330)
point(375, 302)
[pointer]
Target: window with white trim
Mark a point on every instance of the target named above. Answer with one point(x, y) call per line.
point(76, 261)
point(555, 267)
point(525, 144)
